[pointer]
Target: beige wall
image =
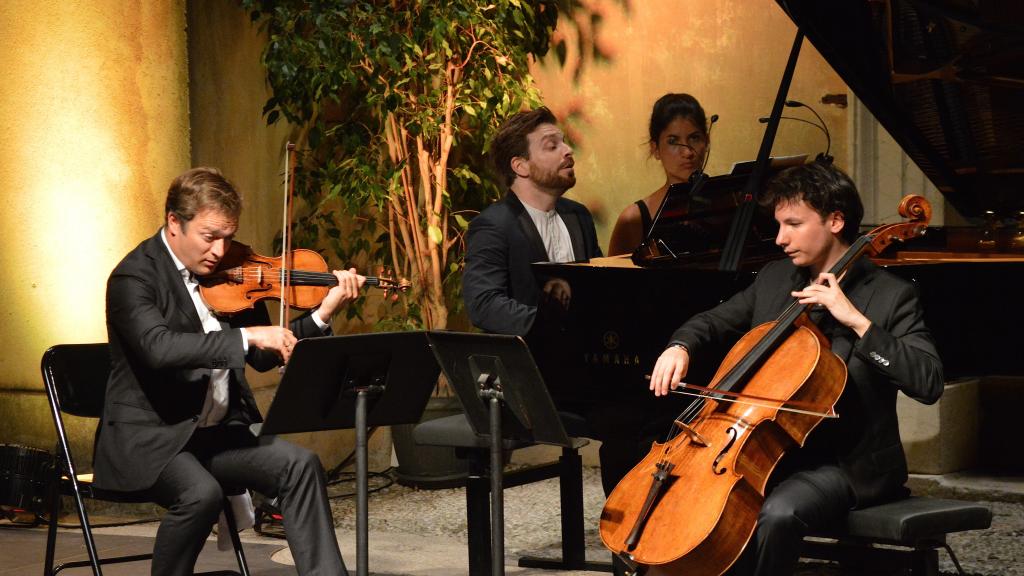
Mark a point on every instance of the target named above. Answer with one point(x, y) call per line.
point(228, 91)
point(94, 118)
point(730, 54)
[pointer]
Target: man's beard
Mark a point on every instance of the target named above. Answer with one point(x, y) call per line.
point(555, 180)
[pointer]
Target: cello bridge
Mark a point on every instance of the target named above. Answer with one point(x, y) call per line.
point(695, 436)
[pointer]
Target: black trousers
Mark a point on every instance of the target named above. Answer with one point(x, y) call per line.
point(190, 487)
point(806, 501)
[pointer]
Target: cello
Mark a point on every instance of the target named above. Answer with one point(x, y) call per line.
point(776, 384)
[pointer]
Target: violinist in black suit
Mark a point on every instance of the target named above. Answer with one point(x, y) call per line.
point(875, 324)
point(177, 410)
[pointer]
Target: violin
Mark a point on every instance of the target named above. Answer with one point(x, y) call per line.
point(691, 505)
point(244, 278)
point(298, 278)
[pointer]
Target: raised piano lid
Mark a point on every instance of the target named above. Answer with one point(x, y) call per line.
point(945, 78)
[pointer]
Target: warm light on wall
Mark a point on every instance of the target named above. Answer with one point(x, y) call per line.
point(93, 125)
point(730, 54)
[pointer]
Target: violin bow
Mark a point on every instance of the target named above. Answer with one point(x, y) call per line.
point(286, 237)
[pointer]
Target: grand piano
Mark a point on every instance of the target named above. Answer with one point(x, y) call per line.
point(946, 79)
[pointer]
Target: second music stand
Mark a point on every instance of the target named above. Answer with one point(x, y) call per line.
point(356, 381)
point(505, 398)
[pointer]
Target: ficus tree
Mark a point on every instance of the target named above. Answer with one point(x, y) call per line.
point(395, 101)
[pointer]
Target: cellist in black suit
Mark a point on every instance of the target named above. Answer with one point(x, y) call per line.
point(875, 324)
point(177, 409)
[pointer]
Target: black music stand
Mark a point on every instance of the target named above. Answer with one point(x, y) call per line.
point(338, 382)
point(504, 397)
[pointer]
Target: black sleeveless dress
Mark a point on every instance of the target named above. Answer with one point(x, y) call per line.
point(645, 217)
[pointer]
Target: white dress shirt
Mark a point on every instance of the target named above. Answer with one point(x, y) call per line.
point(216, 404)
point(553, 233)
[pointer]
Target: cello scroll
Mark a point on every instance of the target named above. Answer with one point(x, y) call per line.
point(918, 212)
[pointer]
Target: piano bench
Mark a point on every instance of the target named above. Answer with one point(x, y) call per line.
point(455, 431)
point(905, 534)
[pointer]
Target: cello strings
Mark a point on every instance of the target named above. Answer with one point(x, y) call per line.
point(794, 309)
point(696, 406)
point(687, 414)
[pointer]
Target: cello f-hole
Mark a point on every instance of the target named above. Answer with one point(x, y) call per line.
point(733, 434)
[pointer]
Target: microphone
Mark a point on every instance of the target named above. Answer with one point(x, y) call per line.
point(707, 153)
point(826, 157)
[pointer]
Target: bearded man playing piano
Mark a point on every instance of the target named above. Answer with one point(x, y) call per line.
point(534, 223)
point(875, 324)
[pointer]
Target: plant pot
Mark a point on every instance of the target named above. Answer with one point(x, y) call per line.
point(429, 467)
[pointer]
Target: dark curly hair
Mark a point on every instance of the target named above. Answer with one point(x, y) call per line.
point(824, 188)
point(510, 141)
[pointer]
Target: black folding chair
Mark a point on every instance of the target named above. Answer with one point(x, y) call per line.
point(75, 378)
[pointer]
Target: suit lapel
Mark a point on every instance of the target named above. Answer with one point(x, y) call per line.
point(536, 245)
point(170, 280)
point(572, 222)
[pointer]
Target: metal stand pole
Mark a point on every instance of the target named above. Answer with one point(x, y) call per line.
point(362, 504)
point(497, 492)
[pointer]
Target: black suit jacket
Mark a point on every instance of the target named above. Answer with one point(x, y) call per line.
point(499, 287)
point(161, 363)
point(896, 354)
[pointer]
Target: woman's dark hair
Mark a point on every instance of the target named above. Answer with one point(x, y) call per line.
point(824, 188)
point(672, 106)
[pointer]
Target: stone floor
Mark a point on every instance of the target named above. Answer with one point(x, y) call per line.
point(423, 533)
point(532, 525)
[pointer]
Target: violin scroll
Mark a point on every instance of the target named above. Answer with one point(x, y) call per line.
point(386, 281)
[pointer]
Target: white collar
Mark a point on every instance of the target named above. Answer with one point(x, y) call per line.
point(185, 273)
point(538, 213)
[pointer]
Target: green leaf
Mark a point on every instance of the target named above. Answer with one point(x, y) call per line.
point(358, 65)
point(435, 234)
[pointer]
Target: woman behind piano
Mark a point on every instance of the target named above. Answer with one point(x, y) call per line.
point(679, 140)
